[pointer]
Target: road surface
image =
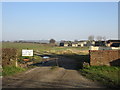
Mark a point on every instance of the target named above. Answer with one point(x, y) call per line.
point(46, 77)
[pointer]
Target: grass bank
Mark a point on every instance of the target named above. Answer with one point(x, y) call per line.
point(11, 70)
point(107, 75)
point(54, 67)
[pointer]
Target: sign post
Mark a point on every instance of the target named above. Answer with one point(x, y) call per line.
point(16, 59)
point(27, 52)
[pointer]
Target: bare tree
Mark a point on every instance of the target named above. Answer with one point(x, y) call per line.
point(99, 38)
point(104, 38)
point(91, 38)
point(52, 41)
point(75, 40)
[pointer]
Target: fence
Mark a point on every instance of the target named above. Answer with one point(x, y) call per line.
point(103, 48)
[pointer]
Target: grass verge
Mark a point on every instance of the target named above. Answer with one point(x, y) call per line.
point(54, 67)
point(107, 75)
point(0, 73)
point(11, 70)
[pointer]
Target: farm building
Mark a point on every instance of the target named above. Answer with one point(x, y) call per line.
point(113, 43)
point(74, 44)
point(65, 44)
point(91, 43)
point(82, 43)
point(100, 43)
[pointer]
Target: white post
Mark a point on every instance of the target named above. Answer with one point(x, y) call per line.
point(16, 64)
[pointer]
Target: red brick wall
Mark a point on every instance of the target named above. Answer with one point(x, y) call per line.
point(105, 57)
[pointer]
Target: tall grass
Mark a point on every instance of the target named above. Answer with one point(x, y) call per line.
point(0, 73)
point(11, 70)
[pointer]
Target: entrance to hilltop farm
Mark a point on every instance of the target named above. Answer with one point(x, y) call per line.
point(79, 60)
point(67, 61)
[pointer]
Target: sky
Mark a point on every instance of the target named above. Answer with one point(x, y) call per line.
point(59, 20)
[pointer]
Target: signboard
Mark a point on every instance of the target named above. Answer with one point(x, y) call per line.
point(27, 52)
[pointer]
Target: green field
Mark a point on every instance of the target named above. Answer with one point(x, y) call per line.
point(41, 48)
point(21, 46)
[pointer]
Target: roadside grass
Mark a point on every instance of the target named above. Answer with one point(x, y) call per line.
point(107, 75)
point(31, 66)
point(11, 70)
point(0, 73)
point(0, 70)
point(54, 67)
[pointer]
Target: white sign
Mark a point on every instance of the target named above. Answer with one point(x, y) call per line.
point(27, 52)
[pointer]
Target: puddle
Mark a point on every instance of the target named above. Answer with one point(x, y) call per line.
point(46, 57)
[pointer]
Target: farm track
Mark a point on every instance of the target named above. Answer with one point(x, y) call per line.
point(45, 77)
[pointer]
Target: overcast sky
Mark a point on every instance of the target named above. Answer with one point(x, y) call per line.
point(59, 20)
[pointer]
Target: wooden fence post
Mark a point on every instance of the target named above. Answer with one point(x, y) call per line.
point(16, 63)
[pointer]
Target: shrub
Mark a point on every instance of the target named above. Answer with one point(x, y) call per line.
point(8, 56)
